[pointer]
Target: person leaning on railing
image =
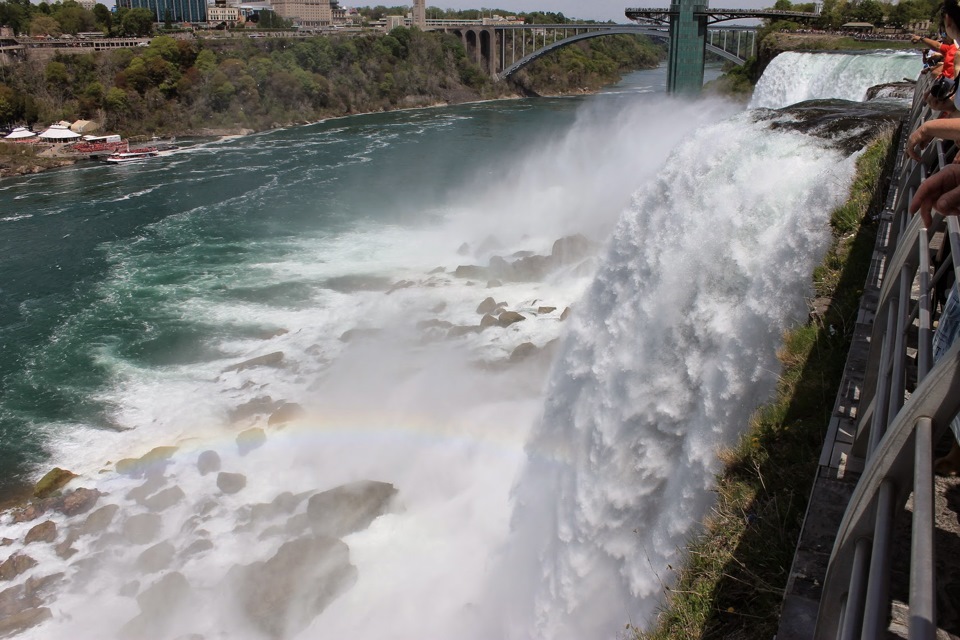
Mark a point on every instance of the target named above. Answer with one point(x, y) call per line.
point(944, 128)
point(946, 47)
point(941, 192)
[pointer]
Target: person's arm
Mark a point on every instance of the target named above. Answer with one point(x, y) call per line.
point(941, 191)
point(933, 44)
point(944, 128)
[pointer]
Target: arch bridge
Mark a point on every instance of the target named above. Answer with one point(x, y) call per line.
point(502, 50)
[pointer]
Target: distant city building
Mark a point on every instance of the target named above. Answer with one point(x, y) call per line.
point(218, 14)
point(87, 4)
point(392, 22)
point(420, 13)
point(310, 13)
point(173, 10)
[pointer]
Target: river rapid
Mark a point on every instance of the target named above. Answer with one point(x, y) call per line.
point(304, 306)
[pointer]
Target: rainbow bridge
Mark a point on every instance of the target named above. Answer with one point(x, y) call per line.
point(502, 48)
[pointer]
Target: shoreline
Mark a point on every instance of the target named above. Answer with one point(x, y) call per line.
point(63, 161)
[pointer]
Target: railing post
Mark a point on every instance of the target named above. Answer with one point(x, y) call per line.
point(852, 617)
point(878, 586)
point(923, 610)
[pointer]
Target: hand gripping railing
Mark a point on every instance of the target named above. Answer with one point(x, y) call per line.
point(901, 423)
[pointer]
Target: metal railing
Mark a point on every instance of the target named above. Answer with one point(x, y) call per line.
point(909, 404)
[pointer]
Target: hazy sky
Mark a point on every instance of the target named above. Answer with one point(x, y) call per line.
point(585, 9)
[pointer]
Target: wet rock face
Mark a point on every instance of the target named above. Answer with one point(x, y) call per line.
point(282, 595)
point(250, 439)
point(15, 565)
point(157, 602)
point(231, 482)
point(100, 519)
point(208, 462)
point(43, 532)
point(848, 126)
point(55, 479)
point(142, 528)
point(348, 508)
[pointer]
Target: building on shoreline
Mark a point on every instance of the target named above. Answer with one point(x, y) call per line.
point(311, 13)
point(173, 10)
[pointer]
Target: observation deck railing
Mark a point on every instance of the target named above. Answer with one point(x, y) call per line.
point(909, 402)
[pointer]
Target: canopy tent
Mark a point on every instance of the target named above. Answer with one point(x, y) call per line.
point(857, 26)
point(84, 126)
point(58, 133)
point(20, 133)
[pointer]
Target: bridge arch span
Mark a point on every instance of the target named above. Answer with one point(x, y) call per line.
point(652, 32)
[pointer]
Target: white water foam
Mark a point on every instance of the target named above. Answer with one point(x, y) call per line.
point(673, 349)
point(793, 77)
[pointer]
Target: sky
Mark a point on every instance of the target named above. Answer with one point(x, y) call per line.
point(583, 9)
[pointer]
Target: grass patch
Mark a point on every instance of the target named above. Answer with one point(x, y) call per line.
point(733, 580)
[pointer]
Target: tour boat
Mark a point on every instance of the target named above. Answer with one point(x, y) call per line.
point(144, 153)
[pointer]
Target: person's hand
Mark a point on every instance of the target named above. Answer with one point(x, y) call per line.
point(916, 142)
point(914, 38)
point(941, 191)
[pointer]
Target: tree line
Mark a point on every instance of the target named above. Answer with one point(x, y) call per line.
point(177, 86)
point(835, 13)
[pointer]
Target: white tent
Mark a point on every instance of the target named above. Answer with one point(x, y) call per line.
point(84, 126)
point(20, 133)
point(58, 133)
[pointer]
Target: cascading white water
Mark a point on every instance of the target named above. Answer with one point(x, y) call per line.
point(794, 77)
point(673, 347)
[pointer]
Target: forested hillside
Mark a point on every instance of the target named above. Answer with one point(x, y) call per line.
point(182, 86)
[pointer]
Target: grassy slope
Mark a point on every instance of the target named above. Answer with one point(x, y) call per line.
point(733, 582)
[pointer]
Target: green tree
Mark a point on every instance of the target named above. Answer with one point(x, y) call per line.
point(45, 26)
point(15, 15)
point(868, 11)
point(137, 22)
point(7, 104)
point(116, 100)
point(55, 73)
point(104, 16)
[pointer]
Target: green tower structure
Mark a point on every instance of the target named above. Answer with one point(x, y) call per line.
point(688, 41)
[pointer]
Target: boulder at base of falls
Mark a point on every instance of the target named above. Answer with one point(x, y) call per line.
point(17, 622)
point(250, 439)
point(282, 595)
point(158, 607)
point(15, 565)
point(287, 412)
point(274, 359)
point(524, 351)
point(55, 480)
point(508, 318)
point(208, 462)
point(349, 507)
point(151, 463)
point(43, 532)
point(231, 482)
point(100, 519)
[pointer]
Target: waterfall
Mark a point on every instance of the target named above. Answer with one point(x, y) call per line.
point(794, 77)
point(672, 348)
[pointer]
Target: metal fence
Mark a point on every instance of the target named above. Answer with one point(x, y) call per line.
point(909, 403)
